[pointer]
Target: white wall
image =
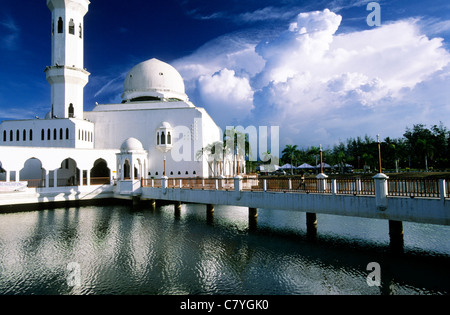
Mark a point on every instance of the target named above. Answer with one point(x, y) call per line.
point(114, 127)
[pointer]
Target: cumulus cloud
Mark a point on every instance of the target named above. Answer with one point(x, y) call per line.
point(232, 95)
point(315, 83)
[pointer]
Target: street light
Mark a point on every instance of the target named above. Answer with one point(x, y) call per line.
point(379, 153)
point(164, 165)
point(321, 160)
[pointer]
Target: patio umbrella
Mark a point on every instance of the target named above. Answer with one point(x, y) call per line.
point(305, 166)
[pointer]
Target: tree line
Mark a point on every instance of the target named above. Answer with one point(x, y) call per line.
point(421, 148)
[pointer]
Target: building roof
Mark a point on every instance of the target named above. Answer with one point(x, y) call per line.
point(153, 80)
point(131, 145)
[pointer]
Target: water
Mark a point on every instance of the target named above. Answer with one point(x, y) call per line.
point(124, 251)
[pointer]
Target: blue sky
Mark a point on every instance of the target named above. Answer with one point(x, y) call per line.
point(314, 68)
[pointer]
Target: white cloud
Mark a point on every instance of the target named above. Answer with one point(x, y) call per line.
point(9, 33)
point(231, 95)
point(314, 83)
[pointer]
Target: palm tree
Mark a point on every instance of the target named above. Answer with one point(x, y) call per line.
point(427, 148)
point(289, 153)
point(214, 153)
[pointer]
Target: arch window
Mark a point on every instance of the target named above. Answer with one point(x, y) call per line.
point(67, 133)
point(71, 27)
point(42, 135)
point(31, 134)
point(11, 136)
point(71, 111)
point(60, 134)
point(24, 135)
point(80, 31)
point(54, 134)
point(4, 135)
point(17, 135)
point(164, 137)
point(60, 25)
point(48, 134)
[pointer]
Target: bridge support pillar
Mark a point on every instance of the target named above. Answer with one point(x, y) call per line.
point(210, 214)
point(311, 225)
point(396, 236)
point(252, 218)
point(152, 204)
point(177, 207)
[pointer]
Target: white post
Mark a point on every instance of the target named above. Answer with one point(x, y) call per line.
point(220, 182)
point(81, 177)
point(17, 176)
point(442, 189)
point(358, 185)
point(322, 182)
point(132, 169)
point(47, 179)
point(381, 191)
point(237, 186)
point(88, 175)
point(238, 183)
point(55, 178)
point(333, 186)
point(164, 184)
point(8, 176)
point(264, 185)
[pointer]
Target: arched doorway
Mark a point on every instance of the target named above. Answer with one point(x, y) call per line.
point(33, 172)
point(100, 173)
point(68, 174)
point(126, 170)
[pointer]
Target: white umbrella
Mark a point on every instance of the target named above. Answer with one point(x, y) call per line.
point(324, 165)
point(286, 166)
point(305, 166)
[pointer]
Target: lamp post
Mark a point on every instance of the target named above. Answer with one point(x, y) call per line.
point(379, 154)
point(321, 160)
point(164, 166)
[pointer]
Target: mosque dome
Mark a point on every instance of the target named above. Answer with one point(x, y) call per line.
point(131, 145)
point(153, 80)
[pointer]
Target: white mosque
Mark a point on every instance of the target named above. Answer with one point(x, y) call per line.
point(154, 131)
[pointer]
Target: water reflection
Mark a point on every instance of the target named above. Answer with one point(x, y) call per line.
point(124, 251)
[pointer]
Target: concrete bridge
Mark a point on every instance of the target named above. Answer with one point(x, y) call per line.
point(395, 200)
point(412, 200)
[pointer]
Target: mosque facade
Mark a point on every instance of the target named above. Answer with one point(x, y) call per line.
point(155, 131)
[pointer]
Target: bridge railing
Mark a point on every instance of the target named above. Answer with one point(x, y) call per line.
point(414, 187)
point(408, 187)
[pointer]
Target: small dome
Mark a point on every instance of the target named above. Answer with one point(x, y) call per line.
point(131, 144)
point(165, 125)
point(153, 80)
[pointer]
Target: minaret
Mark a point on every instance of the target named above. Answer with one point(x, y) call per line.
point(66, 74)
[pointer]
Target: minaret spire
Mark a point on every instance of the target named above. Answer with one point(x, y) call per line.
point(66, 74)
